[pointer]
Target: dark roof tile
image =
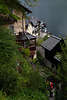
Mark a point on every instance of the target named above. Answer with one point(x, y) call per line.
point(26, 36)
point(51, 42)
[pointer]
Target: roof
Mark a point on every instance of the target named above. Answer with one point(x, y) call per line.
point(26, 36)
point(34, 21)
point(51, 42)
point(25, 8)
point(29, 36)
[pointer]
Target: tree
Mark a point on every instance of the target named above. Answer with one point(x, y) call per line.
point(62, 73)
point(9, 55)
point(64, 65)
point(10, 79)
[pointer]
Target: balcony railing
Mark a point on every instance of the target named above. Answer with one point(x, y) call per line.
point(32, 48)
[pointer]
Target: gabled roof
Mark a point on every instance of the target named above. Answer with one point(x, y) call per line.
point(26, 36)
point(25, 8)
point(51, 42)
point(29, 36)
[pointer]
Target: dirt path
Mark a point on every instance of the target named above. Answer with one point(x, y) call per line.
point(51, 98)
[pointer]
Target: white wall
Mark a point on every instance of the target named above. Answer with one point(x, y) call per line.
point(30, 28)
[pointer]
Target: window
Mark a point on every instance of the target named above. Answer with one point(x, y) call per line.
point(11, 27)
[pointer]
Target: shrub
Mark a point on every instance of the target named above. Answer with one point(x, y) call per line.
point(39, 41)
point(8, 80)
point(29, 94)
point(40, 58)
point(34, 61)
point(2, 96)
point(34, 80)
point(45, 37)
point(8, 58)
point(25, 52)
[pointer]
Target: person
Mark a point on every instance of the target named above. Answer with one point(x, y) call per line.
point(51, 89)
point(51, 85)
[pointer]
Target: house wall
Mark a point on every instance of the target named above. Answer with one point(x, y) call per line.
point(41, 50)
point(46, 61)
point(43, 34)
point(24, 23)
point(19, 26)
point(50, 64)
point(30, 28)
point(35, 55)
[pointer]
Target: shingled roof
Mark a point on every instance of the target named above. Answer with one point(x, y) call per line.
point(25, 8)
point(51, 42)
point(26, 36)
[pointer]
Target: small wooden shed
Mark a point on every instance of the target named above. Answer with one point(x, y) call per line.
point(50, 47)
point(27, 41)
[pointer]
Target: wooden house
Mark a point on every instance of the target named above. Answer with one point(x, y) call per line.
point(27, 40)
point(49, 49)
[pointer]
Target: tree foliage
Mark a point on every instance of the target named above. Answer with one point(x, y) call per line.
point(62, 73)
point(64, 65)
point(11, 81)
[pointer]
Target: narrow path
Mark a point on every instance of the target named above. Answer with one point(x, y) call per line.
point(51, 98)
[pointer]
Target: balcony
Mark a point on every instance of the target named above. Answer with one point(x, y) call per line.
point(32, 48)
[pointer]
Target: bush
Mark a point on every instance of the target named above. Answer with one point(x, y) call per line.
point(2, 96)
point(11, 82)
point(45, 38)
point(39, 41)
point(29, 94)
point(8, 80)
point(40, 58)
point(34, 61)
point(34, 80)
point(25, 52)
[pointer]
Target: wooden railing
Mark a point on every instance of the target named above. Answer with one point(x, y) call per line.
point(32, 48)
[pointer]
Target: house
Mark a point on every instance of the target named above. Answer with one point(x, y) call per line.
point(37, 28)
point(23, 37)
point(27, 40)
point(32, 28)
point(19, 25)
point(11, 22)
point(49, 49)
point(19, 29)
